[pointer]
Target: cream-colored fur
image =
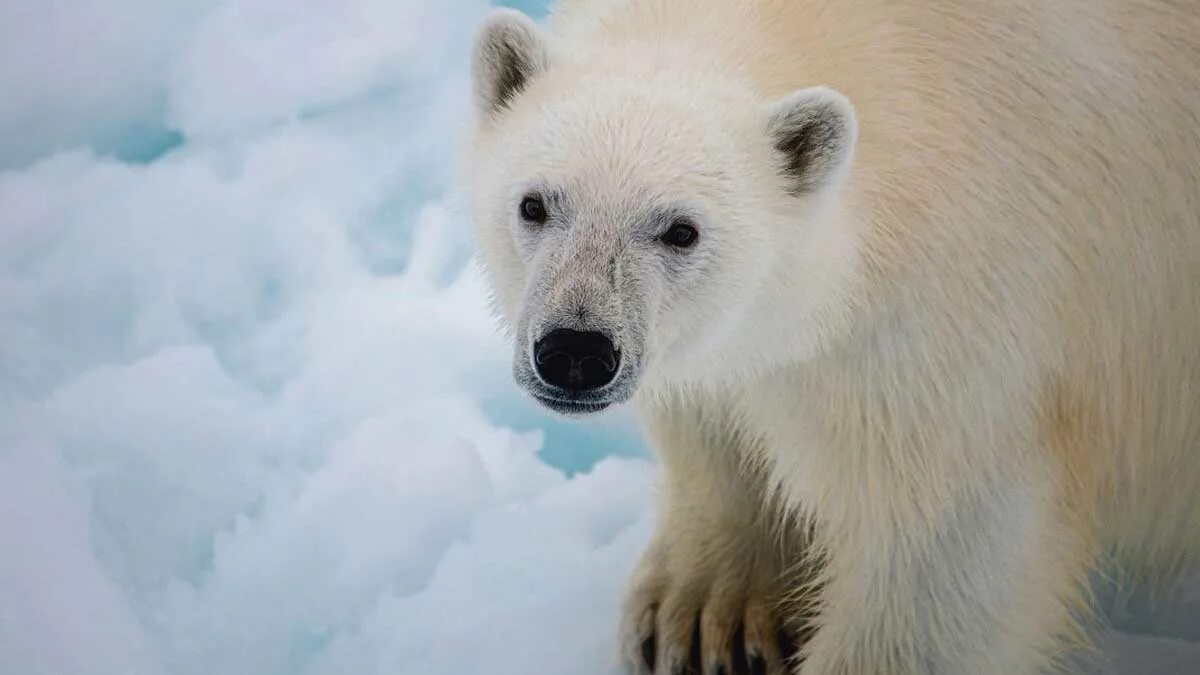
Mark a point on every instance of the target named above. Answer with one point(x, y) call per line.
point(970, 364)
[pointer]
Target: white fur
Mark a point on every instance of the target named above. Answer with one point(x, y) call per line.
point(914, 407)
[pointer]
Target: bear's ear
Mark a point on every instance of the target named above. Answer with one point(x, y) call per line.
point(509, 52)
point(814, 131)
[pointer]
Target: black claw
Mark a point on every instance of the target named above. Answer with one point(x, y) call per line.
point(740, 664)
point(758, 665)
point(648, 651)
point(789, 645)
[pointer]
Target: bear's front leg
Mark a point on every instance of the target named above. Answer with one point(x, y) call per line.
point(951, 581)
point(717, 590)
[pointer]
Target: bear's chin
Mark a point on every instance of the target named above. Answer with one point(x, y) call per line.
point(572, 408)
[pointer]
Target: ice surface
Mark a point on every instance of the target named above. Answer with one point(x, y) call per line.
point(255, 414)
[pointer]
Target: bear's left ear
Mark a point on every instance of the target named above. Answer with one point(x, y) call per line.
point(814, 131)
point(509, 52)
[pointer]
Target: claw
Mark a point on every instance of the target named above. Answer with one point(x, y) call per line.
point(789, 646)
point(649, 651)
point(758, 664)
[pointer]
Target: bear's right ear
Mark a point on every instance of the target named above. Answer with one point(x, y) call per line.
point(509, 52)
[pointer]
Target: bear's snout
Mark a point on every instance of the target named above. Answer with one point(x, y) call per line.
point(576, 361)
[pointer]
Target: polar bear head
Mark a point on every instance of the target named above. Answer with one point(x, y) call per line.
point(644, 223)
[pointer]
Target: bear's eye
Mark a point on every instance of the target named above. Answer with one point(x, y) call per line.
point(533, 209)
point(681, 235)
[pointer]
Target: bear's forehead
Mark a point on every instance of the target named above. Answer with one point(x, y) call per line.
point(609, 142)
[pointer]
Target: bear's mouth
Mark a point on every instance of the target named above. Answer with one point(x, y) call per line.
point(572, 407)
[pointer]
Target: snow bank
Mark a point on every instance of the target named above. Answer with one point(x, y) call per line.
point(255, 415)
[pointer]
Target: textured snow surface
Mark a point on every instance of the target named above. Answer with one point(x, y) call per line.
point(255, 416)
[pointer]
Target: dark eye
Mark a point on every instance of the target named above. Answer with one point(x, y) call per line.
point(681, 235)
point(533, 209)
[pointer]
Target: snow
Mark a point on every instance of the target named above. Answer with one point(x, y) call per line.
point(255, 413)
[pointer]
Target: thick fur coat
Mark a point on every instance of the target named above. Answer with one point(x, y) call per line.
point(934, 358)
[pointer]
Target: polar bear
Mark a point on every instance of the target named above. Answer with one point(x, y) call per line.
point(906, 293)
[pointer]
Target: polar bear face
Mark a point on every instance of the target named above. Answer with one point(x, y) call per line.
point(636, 227)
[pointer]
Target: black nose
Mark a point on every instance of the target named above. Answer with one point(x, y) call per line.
point(576, 361)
